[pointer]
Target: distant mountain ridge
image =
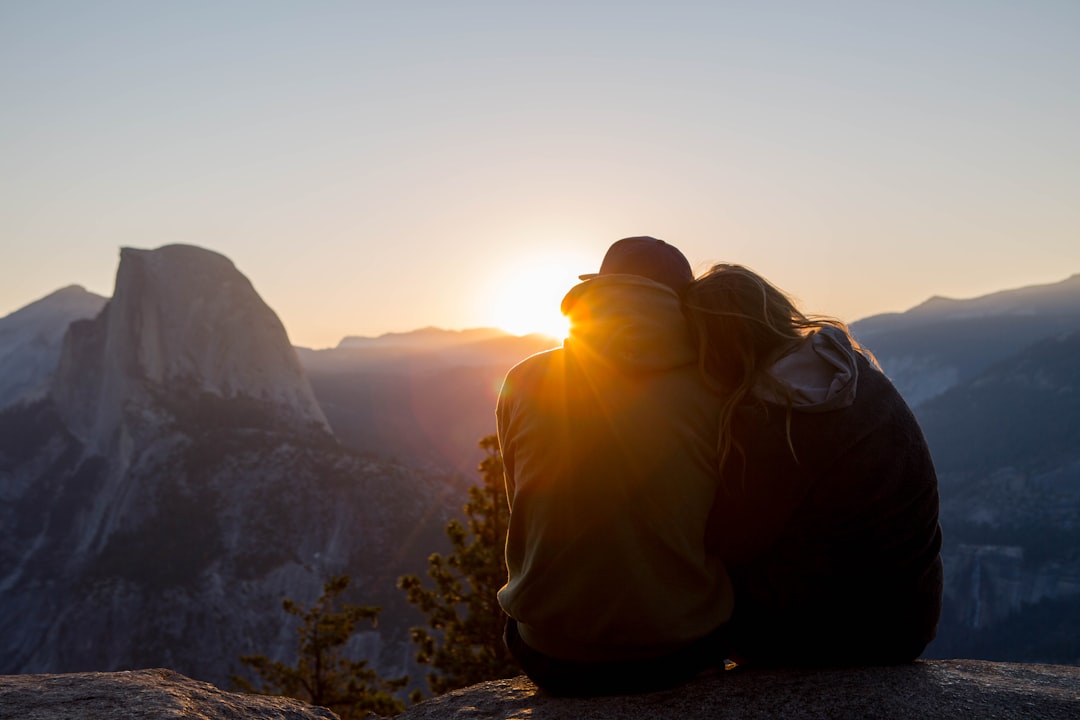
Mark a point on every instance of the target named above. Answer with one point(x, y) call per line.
point(941, 343)
point(424, 397)
point(30, 340)
point(925, 350)
point(428, 338)
point(1049, 299)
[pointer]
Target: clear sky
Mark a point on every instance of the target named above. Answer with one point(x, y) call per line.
point(384, 166)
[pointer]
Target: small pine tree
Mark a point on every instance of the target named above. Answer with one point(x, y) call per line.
point(463, 641)
point(322, 675)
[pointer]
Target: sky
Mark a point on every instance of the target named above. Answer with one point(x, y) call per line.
point(380, 167)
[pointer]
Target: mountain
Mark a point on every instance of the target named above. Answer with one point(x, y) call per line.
point(429, 338)
point(1023, 412)
point(179, 479)
point(30, 341)
point(184, 318)
point(995, 385)
point(1007, 448)
point(943, 342)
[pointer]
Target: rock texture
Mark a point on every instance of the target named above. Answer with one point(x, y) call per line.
point(180, 317)
point(930, 690)
point(139, 695)
point(179, 481)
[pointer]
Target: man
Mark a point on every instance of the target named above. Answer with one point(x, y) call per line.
point(609, 448)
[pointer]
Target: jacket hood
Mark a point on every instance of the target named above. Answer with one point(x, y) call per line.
point(630, 321)
point(822, 372)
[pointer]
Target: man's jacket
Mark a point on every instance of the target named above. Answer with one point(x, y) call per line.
point(609, 446)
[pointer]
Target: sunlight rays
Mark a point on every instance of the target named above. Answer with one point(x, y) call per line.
point(527, 296)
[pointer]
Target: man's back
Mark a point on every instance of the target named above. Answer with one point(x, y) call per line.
point(609, 446)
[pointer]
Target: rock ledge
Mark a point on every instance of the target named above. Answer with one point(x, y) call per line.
point(930, 690)
point(156, 694)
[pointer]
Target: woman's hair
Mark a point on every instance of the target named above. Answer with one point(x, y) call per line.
point(744, 324)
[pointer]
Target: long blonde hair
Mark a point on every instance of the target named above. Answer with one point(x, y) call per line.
point(744, 324)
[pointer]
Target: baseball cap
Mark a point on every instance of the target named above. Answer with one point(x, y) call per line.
point(648, 257)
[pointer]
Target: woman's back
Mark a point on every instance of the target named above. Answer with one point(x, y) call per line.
point(833, 548)
point(827, 515)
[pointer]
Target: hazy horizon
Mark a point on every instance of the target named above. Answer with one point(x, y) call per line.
point(426, 326)
point(382, 169)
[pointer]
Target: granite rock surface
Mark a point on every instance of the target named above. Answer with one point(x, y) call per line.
point(929, 690)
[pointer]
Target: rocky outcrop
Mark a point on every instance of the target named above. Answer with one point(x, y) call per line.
point(183, 560)
point(929, 690)
point(181, 318)
point(180, 481)
point(139, 695)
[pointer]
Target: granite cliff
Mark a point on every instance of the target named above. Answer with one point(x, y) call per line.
point(184, 320)
point(179, 479)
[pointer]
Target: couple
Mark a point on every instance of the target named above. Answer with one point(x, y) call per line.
point(702, 472)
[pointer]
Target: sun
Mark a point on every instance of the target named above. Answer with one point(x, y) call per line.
point(528, 296)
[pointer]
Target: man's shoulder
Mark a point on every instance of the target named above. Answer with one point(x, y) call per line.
point(535, 368)
point(539, 362)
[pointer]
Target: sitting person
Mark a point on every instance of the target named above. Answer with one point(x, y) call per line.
point(609, 451)
point(827, 515)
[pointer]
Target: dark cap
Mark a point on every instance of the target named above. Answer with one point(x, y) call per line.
point(647, 257)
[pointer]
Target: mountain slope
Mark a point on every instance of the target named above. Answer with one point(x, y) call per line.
point(1007, 448)
point(1022, 412)
point(942, 343)
point(30, 341)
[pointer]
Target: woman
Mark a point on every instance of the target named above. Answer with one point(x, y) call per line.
point(827, 511)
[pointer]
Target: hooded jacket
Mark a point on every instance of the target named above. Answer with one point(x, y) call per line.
point(609, 449)
point(834, 548)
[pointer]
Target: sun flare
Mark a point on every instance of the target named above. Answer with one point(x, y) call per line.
point(528, 298)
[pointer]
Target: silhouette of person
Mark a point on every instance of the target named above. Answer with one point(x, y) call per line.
point(609, 448)
point(827, 515)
